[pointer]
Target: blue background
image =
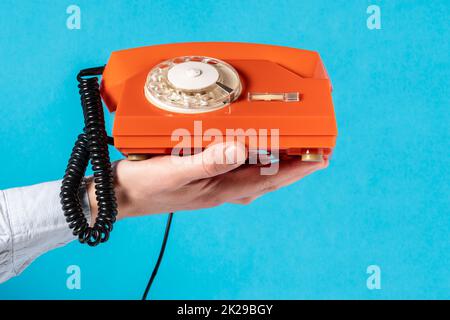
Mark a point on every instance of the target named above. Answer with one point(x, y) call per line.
point(384, 199)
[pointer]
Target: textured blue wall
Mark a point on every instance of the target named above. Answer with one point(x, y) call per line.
point(384, 200)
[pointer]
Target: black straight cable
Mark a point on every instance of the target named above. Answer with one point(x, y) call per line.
point(161, 254)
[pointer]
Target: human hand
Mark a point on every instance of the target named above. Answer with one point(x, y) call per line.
point(204, 180)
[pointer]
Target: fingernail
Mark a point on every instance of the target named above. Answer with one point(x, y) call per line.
point(235, 154)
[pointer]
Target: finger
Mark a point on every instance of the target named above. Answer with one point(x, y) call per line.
point(248, 182)
point(320, 166)
point(213, 161)
point(175, 171)
point(291, 180)
point(245, 201)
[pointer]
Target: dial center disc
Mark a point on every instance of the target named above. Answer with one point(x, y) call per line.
point(192, 75)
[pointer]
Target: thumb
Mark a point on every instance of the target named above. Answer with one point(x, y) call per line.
point(213, 161)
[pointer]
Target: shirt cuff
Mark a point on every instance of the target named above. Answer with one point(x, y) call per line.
point(37, 222)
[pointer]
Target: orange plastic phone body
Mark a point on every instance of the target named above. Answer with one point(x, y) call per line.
point(308, 125)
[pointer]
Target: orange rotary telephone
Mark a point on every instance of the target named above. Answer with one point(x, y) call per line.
point(160, 94)
point(155, 90)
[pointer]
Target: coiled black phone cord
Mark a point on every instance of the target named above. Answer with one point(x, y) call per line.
point(91, 145)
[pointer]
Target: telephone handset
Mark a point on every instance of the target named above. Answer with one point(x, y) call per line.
point(232, 89)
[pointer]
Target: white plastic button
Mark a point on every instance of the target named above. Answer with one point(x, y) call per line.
point(192, 75)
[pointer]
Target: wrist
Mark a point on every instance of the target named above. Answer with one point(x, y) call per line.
point(90, 190)
point(123, 202)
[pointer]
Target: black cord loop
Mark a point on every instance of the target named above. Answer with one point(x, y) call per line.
point(91, 145)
